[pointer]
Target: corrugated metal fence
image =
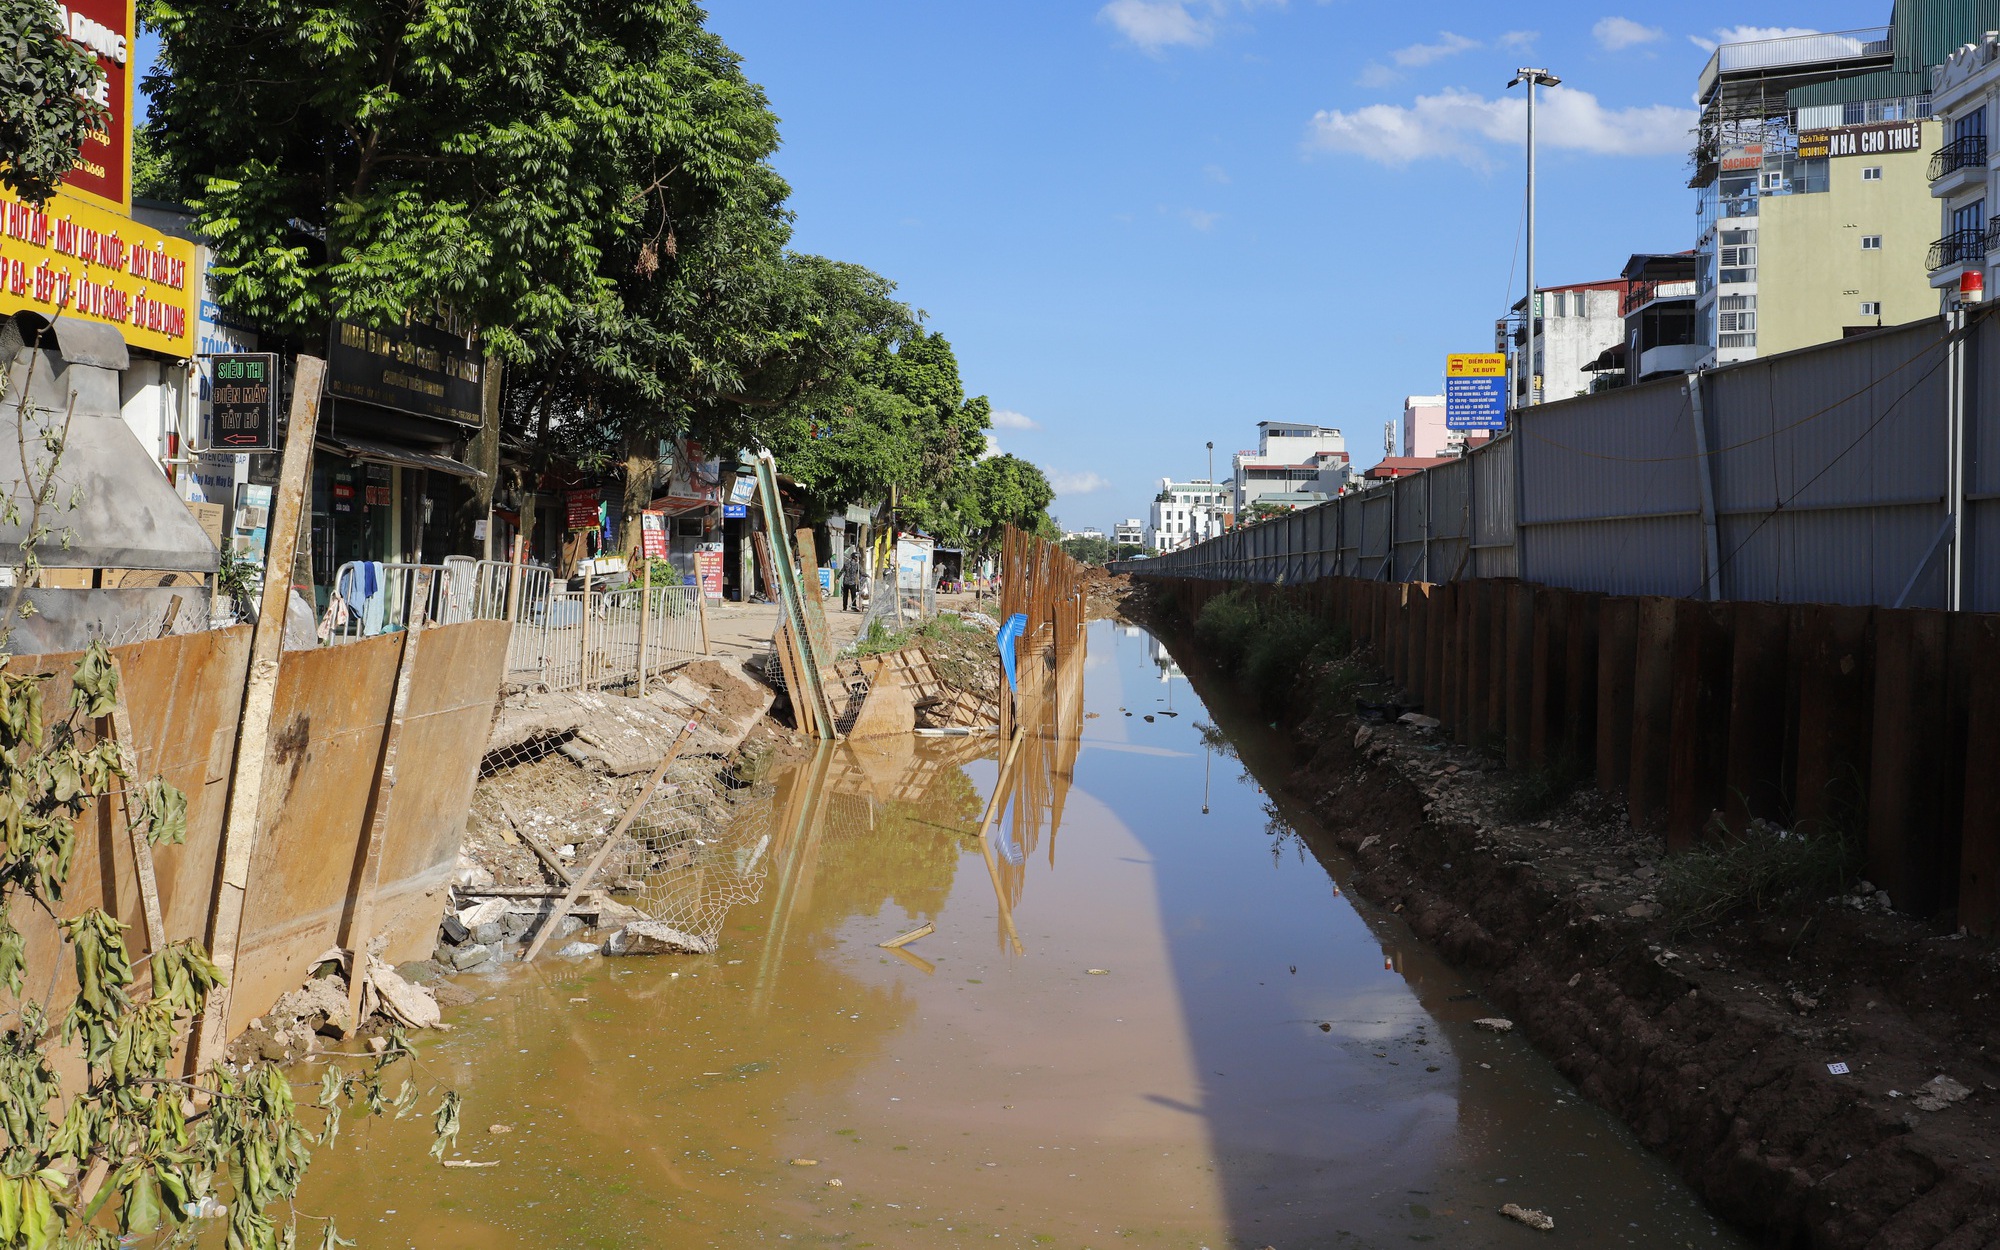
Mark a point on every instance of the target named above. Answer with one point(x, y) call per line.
point(1818, 476)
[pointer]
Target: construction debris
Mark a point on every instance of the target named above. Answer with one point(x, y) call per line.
point(1529, 1216)
point(650, 937)
point(897, 943)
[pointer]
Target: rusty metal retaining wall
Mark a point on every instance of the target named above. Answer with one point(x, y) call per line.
point(1883, 721)
point(184, 695)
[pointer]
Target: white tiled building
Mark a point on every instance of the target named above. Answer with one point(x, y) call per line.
point(1184, 513)
point(1965, 97)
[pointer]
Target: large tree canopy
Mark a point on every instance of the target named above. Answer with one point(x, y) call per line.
point(495, 163)
point(45, 114)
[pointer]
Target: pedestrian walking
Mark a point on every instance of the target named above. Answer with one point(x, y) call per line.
point(850, 580)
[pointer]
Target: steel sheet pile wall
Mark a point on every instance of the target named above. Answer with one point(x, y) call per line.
point(332, 712)
point(1875, 723)
point(1817, 476)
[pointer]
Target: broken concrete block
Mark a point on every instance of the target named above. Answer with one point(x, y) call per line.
point(651, 937)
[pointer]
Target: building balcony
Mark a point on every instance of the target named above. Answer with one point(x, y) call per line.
point(1993, 236)
point(1961, 247)
point(1672, 358)
point(1957, 163)
point(1648, 291)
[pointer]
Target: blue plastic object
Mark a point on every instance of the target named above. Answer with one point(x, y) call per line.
point(1010, 632)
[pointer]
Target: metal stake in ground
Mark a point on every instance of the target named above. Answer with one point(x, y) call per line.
point(589, 874)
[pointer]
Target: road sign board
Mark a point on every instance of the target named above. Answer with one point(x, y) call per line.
point(244, 400)
point(1475, 391)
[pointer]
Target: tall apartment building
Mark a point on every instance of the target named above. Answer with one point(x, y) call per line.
point(1966, 99)
point(1421, 431)
point(1184, 513)
point(1813, 217)
point(1291, 459)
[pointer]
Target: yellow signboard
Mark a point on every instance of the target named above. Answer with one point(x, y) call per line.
point(67, 258)
point(1475, 365)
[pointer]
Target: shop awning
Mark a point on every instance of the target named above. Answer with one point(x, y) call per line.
point(386, 453)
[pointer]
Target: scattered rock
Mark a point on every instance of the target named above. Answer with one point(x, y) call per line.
point(1417, 720)
point(1529, 1216)
point(491, 933)
point(578, 950)
point(453, 931)
point(466, 957)
point(1363, 736)
point(1643, 911)
point(409, 1004)
point(499, 1128)
point(1940, 1092)
point(484, 912)
point(651, 937)
point(1494, 1024)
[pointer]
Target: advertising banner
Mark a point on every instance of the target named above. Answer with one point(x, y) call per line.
point(708, 570)
point(68, 258)
point(653, 535)
point(580, 509)
point(415, 369)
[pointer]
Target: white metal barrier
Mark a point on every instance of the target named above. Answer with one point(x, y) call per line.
point(572, 640)
point(371, 597)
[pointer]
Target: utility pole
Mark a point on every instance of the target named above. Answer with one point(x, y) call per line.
point(1534, 78)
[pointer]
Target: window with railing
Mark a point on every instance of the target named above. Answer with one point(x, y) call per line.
point(1957, 249)
point(1966, 150)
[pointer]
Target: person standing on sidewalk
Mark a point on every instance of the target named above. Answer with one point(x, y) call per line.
point(850, 580)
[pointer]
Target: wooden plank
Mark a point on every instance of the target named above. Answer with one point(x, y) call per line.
point(253, 746)
point(142, 849)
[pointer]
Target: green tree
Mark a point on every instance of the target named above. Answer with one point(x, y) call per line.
point(491, 165)
point(1090, 550)
point(45, 112)
point(1007, 490)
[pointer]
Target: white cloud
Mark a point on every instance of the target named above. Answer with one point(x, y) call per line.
point(1200, 219)
point(992, 447)
point(1459, 125)
point(1518, 40)
point(1419, 54)
point(1376, 75)
point(1158, 24)
point(1756, 34)
point(1615, 34)
point(1078, 483)
point(1216, 174)
point(1007, 419)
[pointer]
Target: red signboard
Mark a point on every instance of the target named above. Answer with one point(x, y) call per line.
point(653, 535)
point(581, 508)
point(105, 29)
point(708, 570)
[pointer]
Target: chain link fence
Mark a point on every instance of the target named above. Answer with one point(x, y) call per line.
point(698, 848)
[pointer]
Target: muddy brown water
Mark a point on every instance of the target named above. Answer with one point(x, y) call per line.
point(1203, 1041)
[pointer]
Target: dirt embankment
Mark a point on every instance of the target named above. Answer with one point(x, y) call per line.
point(1715, 1045)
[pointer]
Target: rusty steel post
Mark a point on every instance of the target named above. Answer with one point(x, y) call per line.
point(1979, 840)
point(1760, 717)
point(1478, 659)
point(1652, 713)
point(1547, 738)
point(1617, 660)
point(1698, 758)
point(1912, 851)
point(1835, 680)
point(1579, 710)
point(1498, 632)
point(1519, 690)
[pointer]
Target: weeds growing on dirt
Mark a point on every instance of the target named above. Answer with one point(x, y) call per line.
point(1765, 868)
point(1283, 654)
point(1532, 793)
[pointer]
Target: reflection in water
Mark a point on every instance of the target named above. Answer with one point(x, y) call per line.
point(1195, 1043)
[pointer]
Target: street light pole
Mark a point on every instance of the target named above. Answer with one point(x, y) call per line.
point(1212, 491)
point(1534, 78)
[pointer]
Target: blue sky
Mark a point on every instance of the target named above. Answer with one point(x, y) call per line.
point(1148, 224)
point(1152, 223)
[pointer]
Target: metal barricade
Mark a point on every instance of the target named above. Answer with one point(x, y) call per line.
point(570, 640)
point(494, 592)
point(372, 598)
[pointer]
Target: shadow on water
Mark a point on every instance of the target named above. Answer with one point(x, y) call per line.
point(1145, 1015)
